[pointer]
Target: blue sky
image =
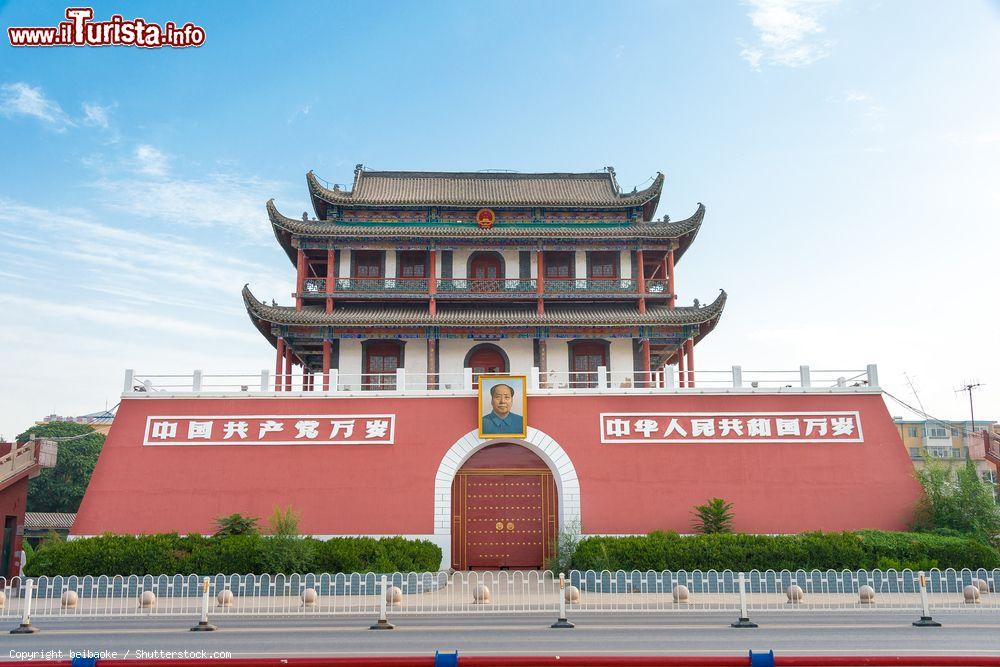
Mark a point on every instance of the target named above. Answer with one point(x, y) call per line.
point(848, 154)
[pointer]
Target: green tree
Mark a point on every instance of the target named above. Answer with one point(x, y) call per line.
point(60, 489)
point(236, 524)
point(715, 516)
point(956, 500)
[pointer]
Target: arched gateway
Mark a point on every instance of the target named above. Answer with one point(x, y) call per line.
point(546, 451)
point(504, 510)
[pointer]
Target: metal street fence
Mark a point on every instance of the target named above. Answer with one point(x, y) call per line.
point(506, 592)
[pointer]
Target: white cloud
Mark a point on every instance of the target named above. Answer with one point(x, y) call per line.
point(124, 318)
point(150, 160)
point(166, 264)
point(147, 185)
point(96, 115)
point(300, 111)
point(788, 32)
point(973, 137)
point(871, 112)
point(21, 99)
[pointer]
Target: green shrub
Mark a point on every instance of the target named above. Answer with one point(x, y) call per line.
point(715, 516)
point(852, 551)
point(236, 524)
point(231, 554)
point(284, 522)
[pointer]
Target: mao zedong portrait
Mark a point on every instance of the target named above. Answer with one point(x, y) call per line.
point(501, 420)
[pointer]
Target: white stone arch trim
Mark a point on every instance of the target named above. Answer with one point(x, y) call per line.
point(567, 483)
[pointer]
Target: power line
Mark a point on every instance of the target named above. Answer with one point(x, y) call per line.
point(929, 417)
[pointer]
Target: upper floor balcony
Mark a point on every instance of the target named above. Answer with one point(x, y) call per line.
point(484, 288)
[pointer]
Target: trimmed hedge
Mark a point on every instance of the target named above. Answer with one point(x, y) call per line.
point(862, 550)
point(234, 554)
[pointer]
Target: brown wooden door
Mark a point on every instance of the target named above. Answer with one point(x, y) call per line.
point(504, 510)
point(585, 358)
point(485, 273)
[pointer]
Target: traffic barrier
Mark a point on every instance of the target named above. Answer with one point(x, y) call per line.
point(383, 619)
point(203, 624)
point(470, 594)
point(562, 621)
point(564, 661)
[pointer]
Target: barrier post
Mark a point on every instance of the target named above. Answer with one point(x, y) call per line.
point(26, 628)
point(129, 381)
point(203, 624)
point(562, 622)
point(383, 621)
point(744, 619)
point(925, 620)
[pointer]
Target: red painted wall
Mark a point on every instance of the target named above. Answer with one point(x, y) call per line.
point(387, 489)
point(12, 501)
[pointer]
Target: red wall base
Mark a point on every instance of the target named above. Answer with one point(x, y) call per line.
point(778, 487)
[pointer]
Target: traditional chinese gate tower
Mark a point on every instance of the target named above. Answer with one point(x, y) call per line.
point(412, 285)
point(418, 270)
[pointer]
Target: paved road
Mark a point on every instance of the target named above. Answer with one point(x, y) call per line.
point(702, 634)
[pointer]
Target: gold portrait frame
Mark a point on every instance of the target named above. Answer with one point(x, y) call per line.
point(520, 383)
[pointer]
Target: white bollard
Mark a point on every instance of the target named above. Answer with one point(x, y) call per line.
point(203, 624)
point(265, 380)
point(562, 622)
point(129, 380)
point(26, 628)
point(196, 381)
point(925, 620)
point(467, 379)
point(383, 620)
point(744, 619)
point(737, 376)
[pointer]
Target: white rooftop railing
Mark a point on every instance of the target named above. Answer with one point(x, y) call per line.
point(602, 381)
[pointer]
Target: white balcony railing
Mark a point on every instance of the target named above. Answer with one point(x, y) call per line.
point(603, 380)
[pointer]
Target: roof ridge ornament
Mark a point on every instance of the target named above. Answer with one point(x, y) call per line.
point(614, 179)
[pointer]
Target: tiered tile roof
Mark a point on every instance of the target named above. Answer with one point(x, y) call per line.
point(487, 315)
point(493, 189)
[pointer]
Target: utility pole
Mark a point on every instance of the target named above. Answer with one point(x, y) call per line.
point(968, 387)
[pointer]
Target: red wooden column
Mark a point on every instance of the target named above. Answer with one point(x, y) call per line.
point(300, 278)
point(681, 373)
point(689, 344)
point(277, 363)
point(327, 348)
point(288, 367)
point(641, 273)
point(669, 261)
point(646, 370)
point(331, 277)
point(540, 280)
point(432, 283)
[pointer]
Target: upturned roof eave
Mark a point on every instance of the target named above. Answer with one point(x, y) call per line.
point(289, 316)
point(684, 230)
point(323, 197)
